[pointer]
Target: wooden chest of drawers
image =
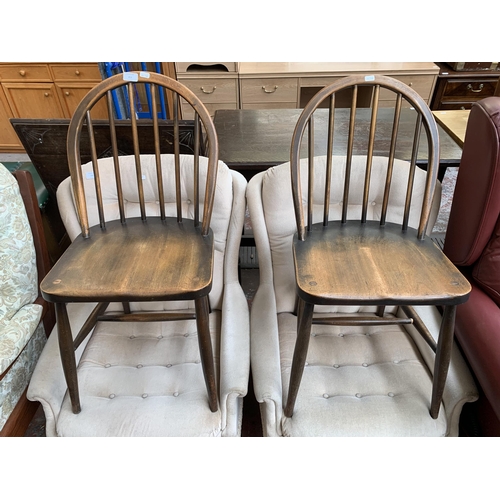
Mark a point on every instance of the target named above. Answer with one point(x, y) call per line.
point(460, 89)
point(42, 90)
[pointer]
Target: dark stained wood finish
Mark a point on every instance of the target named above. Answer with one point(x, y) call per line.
point(253, 140)
point(142, 259)
point(360, 262)
point(182, 267)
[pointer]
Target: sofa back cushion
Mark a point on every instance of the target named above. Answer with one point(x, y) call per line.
point(18, 271)
point(486, 270)
point(476, 203)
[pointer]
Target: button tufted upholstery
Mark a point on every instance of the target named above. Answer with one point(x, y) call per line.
point(145, 379)
point(358, 381)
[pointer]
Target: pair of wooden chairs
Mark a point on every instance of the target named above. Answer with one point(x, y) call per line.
point(146, 255)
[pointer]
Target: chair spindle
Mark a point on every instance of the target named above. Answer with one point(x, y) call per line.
point(197, 126)
point(369, 154)
point(95, 167)
point(310, 184)
point(177, 160)
point(137, 153)
point(156, 131)
point(350, 143)
point(390, 162)
point(329, 155)
point(411, 175)
point(116, 161)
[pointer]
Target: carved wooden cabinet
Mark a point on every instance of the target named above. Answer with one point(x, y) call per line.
point(42, 90)
point(459, 89)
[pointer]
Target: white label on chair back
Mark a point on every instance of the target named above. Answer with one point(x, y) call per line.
point(144, 74)
point(130, 77)
point(370, 78)
point(89, 175)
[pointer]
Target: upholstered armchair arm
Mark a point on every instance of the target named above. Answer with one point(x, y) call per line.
point(266, 362)
point(48, 384)
point(235, 327)
point(460, 387)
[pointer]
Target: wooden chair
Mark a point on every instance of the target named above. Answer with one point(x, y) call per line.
point(358, 261)
point(143, 255)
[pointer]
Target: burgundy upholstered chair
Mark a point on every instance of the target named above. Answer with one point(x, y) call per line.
point(473, 244)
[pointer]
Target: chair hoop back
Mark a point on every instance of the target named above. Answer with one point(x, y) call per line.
point(423, 117)
point(131, 80)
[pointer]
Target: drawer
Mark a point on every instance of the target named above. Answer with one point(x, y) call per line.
point(270, 105)
point(25, 72)
point(79, 72)
point(477, 88)
point(422, 84)
point(456, 105)
point(188, 113)
point(213, 90)
point(262, 90)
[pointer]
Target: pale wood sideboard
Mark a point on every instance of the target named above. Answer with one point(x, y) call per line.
point(271, 85)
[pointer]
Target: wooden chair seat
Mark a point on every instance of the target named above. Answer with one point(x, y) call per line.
point(364, 264)
point(182, 270)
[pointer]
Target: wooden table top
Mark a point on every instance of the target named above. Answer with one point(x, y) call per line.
point(454, 121)
point(257, 139)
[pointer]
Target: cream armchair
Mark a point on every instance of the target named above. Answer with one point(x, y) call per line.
point(363, 381)
point(145, 379)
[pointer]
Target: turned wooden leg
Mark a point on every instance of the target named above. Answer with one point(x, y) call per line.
point(304, 323)
point(443, 356)
point(206, 353)
point(67, 350)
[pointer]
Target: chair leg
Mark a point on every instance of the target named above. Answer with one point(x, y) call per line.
point(443, 356)
point(304, 323)
point(67, 350)
point(206, 353)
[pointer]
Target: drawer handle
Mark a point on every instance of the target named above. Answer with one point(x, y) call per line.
point(269, 91)
point(67, 93)
point(208, 91)
point(46, 94)
point(469, 87)
point(22, 72)
point(77, 73)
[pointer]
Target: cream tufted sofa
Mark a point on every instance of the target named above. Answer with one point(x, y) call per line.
point(145, 379)
point(358, 381)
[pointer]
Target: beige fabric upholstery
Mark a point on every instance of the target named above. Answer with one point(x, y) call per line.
point(145, 379)
point(358, 381)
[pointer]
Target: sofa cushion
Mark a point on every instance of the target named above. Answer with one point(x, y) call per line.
point(472, 220)
point(18, 273)
point(486, 271)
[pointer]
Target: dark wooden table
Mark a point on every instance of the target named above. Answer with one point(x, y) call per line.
point(253, 140)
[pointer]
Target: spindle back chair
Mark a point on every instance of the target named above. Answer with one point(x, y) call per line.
point(142, 248)
point(358, 261)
